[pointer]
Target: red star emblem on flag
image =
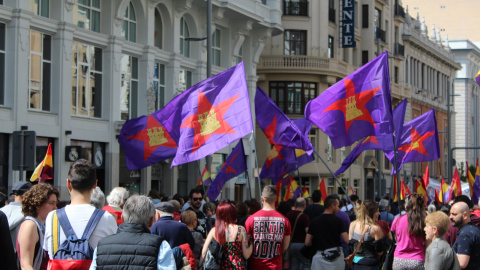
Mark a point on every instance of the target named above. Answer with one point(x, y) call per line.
point(206, 112)
point(353, 105)
point(230, 169)
point(416, 143)
point(372, 139)
point(271, 129)
point(146, 135)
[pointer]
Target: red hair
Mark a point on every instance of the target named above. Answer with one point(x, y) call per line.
point(226, 214)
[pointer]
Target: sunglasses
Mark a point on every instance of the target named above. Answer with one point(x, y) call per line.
point(196, 199)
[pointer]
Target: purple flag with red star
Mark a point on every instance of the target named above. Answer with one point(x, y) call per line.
point(378, 142)
point(233, 166)
point(278, 128)
point(418, 141)
point(145, 142)
point(209, 116)
point(355, 107)
point(282, 159)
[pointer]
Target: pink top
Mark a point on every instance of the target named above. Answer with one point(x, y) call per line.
point(408, 247)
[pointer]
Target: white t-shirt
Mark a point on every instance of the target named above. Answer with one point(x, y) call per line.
point(346, 208)
point(78, 215)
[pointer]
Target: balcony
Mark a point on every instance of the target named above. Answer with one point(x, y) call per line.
point(331, 15)
point(399, 11)
point(295, 8)
point(304, 64)
point(399, 50)
point(380, 34)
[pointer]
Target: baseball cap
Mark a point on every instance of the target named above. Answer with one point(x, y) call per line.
point(20, 187)
point(164, 207)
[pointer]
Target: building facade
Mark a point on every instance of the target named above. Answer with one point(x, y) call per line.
point(74, 71)
point(467, 99)
point(308, 58)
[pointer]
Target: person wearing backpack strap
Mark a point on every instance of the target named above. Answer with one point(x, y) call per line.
point(133, 246)
point(78, 219)
point(300, 222)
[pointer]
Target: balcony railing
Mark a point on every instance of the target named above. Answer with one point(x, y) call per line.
point(331, 15)
point(399, 49)
point(305, 64)
point(399, 11)
point(380, 34)
point(295, 8)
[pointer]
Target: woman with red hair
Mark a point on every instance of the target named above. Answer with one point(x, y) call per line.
point(232, 237)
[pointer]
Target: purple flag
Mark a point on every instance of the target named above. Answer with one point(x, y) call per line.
point(355, 107)
point(419, 140)
point(282, 160)
point(379, 142)
point(145, 142)
point(209, 116)
point(278, 128)
point(233, 166)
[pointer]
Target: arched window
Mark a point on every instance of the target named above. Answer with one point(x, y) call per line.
point(129, 24)
point(184, 33)
point(158, 30)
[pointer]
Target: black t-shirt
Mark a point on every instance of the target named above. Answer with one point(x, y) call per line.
point(202, 223)
point(326, 230)
point(314, 210)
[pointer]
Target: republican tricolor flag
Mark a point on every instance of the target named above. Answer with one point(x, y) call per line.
point(44, 170)
point(323, 190)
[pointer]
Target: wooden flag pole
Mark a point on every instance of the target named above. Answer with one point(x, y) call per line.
point(338, 182)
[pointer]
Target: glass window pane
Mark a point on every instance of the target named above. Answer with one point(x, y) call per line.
point(96, 3)
point(134, 68)
point(125, 96)
point(97, 60)
point(35, 71)
point(96, 88)
point(95, 21)
point(47, 47)
point(280, 99)
point(162, 74)
point(46, 87)
point(82, 95)
point(133, 32)
point(125, 29)
point(298, 100)
point(133, 108)
point(2, 78)
point(2, 36)
point(84, 2)
point(74, 91)
point(35, 99)
point(132, 13)
point(35, 41)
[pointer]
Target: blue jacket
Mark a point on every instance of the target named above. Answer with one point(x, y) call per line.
point(174, 232)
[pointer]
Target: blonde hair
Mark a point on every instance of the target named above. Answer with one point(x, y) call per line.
point(366, 213)
point(188, 217)
point(440, 220)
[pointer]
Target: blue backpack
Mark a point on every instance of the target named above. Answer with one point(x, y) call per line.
point(74, 248)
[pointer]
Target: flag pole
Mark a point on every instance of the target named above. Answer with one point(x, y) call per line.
point(395, 167)
point(249, 187)
point(256, 162)
point(201, 178)
point(338, 182)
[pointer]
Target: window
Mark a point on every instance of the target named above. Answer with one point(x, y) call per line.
point(185, 79)
point(2, 63)
point(330, 186)
point(216, 48)
point(86, 14)
point(330, 47)
point(330, 151)
point(129, 87)
point(158, 34)
point(39, 71)
point(386, 164)
point(295, 42)
point(395, 74)
point(40, 7)
point(240, 55)
point(291, 97)
point(129, 24)
point(159, 85)
point(343, 154)
point(364, 57)
point(312, 136)
point(86, 80)
point(364, 16)
point(184, 33)
point(295, 7)
point(378, 18)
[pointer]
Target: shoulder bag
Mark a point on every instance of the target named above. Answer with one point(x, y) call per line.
point(349, 258)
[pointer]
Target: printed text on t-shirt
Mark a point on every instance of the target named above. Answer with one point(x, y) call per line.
point(268, 235)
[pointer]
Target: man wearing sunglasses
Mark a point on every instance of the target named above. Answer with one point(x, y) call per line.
point(196, 198)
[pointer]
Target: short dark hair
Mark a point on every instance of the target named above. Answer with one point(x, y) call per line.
point(329, 201)
point(82, 175)
point(354, 198)
point(196, 190)
point(316, 196)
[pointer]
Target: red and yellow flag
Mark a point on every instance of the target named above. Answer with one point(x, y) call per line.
point(470, 180)
point(44, 170)
point(205, 179)
point(407, 189)
point(395, 197)
point(350, 191)
point(402, 191)
point(456, 186)
point(437, 198)
point(445, 192)
point(305, 192)
point(323, 190)
point(426, 178)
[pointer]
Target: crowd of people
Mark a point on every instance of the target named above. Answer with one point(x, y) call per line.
point(123, 231)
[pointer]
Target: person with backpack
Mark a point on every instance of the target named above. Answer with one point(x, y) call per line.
point(72, 233)
point(133, 245)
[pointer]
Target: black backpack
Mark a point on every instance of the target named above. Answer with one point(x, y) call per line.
point(74, 248)
point(351, 214)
